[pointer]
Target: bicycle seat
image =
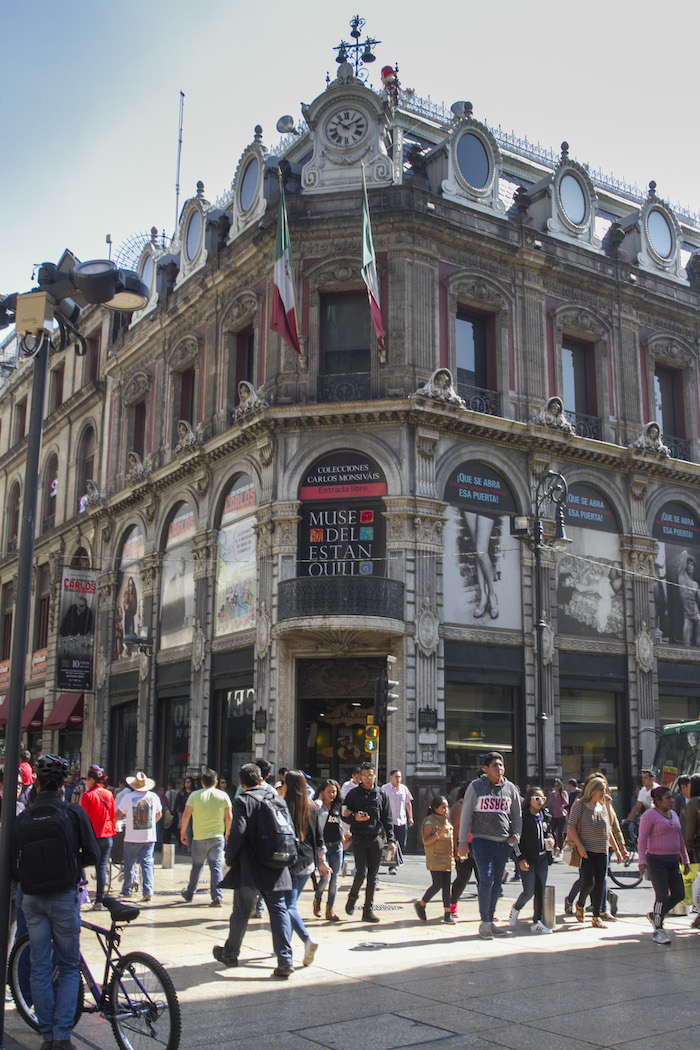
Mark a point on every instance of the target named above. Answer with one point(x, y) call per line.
point(120, 912)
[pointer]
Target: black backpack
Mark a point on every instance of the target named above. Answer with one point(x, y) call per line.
point(275, 845)
point(46, 860)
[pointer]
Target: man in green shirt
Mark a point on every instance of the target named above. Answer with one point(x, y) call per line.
point(210, 812)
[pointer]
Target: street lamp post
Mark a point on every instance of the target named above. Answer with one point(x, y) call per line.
point(551, 490)
point(45, 318)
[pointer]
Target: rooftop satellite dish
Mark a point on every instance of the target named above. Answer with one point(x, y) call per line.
point(460, 109)
point(285, 125)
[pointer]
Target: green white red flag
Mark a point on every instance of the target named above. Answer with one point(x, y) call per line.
point(369, 267)
point(283, 319)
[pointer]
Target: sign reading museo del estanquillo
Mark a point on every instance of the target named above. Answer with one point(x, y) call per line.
point(342, 530)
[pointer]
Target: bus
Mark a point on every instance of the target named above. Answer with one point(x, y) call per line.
point(677, 752)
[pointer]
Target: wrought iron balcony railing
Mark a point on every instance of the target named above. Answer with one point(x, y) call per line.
point(585, 426)
point(478, 400)
point(340, 596)
point(679, 447)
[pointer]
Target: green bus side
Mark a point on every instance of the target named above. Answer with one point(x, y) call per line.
point(677, 752)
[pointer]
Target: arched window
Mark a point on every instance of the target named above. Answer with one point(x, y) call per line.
point(13, 520)
point(86, 465)
point(50, 494)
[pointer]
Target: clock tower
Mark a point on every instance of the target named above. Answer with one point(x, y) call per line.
point(350, 126)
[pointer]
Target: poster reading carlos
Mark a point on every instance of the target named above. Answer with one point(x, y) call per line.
point(677, 572)
point(589, 582)
point(482, 560)
point(76, 633)
point(236, 575)
point(177, 580)
point(128, 610)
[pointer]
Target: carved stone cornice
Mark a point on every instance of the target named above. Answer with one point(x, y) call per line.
point(476, 289)
point(591, 645)
point(151, 569)
point(577, 320)
point(184, 353)
point(241, 311)
point(136, 388)
point(670, 350)
point(416, 523)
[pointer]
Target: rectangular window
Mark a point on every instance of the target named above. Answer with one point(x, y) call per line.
point(138, 443)
point(21, 420)
point(480, 718)
point(57, 380)
point(8, 600)
point(245, 347)
point(42, 608)
point(472, 350)
point(575, 377)
point(93, 359)
point(668, 394)
point(346, 342)
point(187, 385)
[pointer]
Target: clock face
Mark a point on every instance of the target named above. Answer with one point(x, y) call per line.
point(346, 127)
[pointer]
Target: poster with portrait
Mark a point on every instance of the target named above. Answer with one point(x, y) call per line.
point(590, 595)
point(128, 610)
point(236, 578)
point(481, 569)
point(676, 532)
point(76, 631)
point(177, 580)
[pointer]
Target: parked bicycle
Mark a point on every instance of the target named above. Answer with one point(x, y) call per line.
point(626, 873)
point(136, 995)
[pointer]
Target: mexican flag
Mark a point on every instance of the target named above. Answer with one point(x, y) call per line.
point(284, 316)
point(369, 268)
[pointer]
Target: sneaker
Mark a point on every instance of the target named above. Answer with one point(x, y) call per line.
point(283, 971)
point(225, 960)
point(486, 931)
point(369, 916)
point(392, 871)
point(186, 895)
point(607, 917)
point(420, 910)
point(650, 917)
point(146, 898)
point(513, 918)
point(98, 906)
point(568, 907)
point(612, 901)
point(497, 931)
point(695, 924)
point(539, 927)
point(453, 911)
point(449, 918)
point(660, 937)
point(216, 904)
point(309, 952)
point(350, 906)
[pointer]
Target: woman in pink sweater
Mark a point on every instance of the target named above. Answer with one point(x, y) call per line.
point(661, 850)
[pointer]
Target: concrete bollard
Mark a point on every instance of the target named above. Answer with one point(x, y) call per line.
point(168, 859)
point(549, 907)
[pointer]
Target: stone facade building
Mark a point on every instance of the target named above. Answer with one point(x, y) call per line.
point(274, 526)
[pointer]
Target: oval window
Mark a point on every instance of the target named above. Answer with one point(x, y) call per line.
point(573, 199)
point(249, 184)
point(147, 271)
point(193, 231)
point(659, 234)
point(473, 160)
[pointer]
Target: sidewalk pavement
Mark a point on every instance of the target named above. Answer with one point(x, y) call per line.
point(406, 983)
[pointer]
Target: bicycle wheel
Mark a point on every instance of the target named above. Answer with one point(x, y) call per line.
point(19, 980)
point(144, 1011)
point(626, 875)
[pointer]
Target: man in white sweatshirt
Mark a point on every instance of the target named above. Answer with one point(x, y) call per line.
point(492, 813)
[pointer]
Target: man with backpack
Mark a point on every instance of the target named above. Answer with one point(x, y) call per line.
point(260, 849)
point(52, 841)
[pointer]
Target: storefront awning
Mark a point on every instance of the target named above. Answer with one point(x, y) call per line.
point(4, 708)
point(33, 715)
point(66, 712)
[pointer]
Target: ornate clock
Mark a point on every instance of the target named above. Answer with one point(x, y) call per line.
point(346, 127)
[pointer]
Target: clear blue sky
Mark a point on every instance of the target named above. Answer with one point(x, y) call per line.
point(89, 94)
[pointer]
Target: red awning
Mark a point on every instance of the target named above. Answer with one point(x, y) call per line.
point(33, 714)
point(67, 711)
point(4, 708)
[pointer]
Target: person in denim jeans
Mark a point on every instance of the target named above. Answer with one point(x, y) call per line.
point(98, 803)
point(491, 811)
point(142, 809)
point(53, 917)
point(210, 811)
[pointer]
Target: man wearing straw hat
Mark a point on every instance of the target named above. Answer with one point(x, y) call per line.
point(142, 810)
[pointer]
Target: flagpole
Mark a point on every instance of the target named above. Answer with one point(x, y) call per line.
point(283, 204)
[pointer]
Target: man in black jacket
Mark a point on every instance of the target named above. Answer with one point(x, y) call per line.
point(49, 850)
point(248, 878)
point(367, 811)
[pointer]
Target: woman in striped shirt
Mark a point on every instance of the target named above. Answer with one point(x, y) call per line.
point(661, 850)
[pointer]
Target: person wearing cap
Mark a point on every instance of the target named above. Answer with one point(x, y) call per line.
point(142, 810)
point(98, 803)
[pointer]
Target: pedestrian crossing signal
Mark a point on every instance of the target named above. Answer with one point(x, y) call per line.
point(371, 739)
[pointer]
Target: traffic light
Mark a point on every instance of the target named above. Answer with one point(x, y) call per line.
point(371, 739)
point(384, 698)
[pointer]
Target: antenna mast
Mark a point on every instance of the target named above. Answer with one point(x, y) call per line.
point(179, 154)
